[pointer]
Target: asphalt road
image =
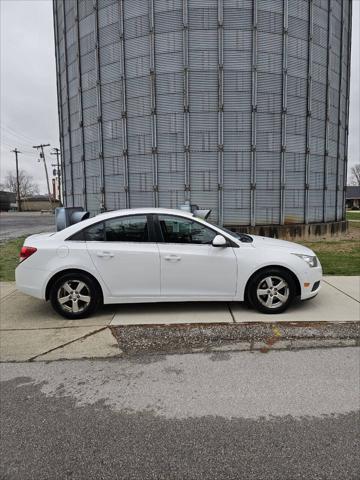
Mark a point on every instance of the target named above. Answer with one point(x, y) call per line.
point(19, 224)
point(280, 415)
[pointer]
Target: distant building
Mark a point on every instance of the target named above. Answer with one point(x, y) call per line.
point(37, 203)
point(353, 197)
point(7, 200)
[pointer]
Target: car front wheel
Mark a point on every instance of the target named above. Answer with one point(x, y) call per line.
point(75, 295)
point(271, 291)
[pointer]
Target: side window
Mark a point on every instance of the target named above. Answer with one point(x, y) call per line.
point(127, 229)
point(182, 230)
point(95, 233)
point(79, 236)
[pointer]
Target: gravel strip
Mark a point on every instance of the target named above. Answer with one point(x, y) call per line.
point(186, 338)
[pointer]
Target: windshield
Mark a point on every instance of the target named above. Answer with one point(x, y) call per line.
point(243, 237)
point(226, 230)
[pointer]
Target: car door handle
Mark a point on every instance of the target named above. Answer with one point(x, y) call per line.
point(105, 254)
point(172, 258)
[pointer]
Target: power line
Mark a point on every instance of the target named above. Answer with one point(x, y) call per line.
point(6, 134)
point(11, 145)
point(27, 153)
point(3, 145)
point(13, 132)
point(10, 142)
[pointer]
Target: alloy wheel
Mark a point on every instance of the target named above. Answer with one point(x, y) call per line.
point(74, 296)
point(273, 292)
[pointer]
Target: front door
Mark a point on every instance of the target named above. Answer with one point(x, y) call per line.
point(190, 266)
point(125, 256)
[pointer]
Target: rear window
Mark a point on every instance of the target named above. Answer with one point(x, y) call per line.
point(94, 233)
point(127, 229)
point(121, 229)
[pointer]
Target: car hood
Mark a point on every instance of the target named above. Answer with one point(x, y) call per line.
point(276, 243)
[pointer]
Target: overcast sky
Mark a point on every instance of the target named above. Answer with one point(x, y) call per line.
point(28, 85)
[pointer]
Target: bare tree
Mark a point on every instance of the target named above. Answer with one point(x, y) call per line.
point(355, 175)
point(27, 186)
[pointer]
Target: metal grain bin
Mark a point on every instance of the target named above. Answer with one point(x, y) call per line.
point(240, 106)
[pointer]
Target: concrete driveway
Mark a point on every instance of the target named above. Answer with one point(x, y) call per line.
point(30, 330)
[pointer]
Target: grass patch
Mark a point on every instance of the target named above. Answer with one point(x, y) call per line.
point(339, 257)
point(355, 215)
point(9, 257)
point(354, 224)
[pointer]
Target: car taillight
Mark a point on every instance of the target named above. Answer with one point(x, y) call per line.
point(26, 252)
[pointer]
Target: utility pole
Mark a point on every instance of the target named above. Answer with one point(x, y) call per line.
point(18, 199)
point(42, 155)
point(57, 153)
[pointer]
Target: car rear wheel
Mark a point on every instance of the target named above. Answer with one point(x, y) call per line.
point(271, 291)
point(75, 295)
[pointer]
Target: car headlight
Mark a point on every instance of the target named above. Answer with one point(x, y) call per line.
point(311, 260)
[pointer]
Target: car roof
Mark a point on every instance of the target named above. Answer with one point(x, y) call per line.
point(145, 211)
point(119, 213)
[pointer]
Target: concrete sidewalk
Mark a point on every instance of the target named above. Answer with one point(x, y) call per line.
point(338, 301)
point(30, 330)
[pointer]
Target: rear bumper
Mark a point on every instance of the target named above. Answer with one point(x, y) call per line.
point(310, 282)
point(31, 281)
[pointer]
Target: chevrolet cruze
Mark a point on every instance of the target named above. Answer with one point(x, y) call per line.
point(161, 255)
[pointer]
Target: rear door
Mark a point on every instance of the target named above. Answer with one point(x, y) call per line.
point(190, 265)
point(126, 256)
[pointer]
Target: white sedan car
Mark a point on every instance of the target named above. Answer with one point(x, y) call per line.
point(161, 255)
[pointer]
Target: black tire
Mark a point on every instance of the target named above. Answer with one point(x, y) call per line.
point(281, 297)
point(74, 281)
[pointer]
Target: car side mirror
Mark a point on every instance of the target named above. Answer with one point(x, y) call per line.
point(219, 241)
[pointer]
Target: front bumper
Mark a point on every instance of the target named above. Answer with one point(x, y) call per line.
point(310, 282)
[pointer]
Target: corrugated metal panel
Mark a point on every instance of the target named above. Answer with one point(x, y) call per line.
point(59, 97)
point(237, 206)
point(85, 8)
point(289, 143)
point(339, 164)
point(226, 103)
point(108, 14)
point(67, 140)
